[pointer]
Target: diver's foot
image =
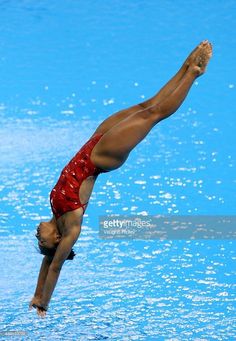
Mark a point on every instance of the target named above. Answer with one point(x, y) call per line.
point(192, 55)
point(200, 58)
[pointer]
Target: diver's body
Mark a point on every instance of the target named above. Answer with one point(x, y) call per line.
point(106, 150)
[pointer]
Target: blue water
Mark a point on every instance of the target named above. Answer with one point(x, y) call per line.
point(65, 66)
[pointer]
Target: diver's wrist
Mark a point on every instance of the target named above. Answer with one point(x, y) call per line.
point(43, 307)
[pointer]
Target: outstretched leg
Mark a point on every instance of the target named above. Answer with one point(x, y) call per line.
point(114, 119)
point(114, 146)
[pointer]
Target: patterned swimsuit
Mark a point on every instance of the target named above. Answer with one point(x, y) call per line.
point(64, 197)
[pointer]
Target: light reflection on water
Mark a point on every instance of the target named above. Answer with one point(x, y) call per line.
point(139, 288)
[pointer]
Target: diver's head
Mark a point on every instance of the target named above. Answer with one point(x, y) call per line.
point(48, 235)
point(49, 238)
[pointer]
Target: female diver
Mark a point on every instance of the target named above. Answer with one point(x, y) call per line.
point(106, 150)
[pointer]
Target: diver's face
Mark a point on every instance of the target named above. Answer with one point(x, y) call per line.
point(47, 235)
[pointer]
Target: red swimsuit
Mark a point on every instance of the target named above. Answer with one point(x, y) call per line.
point(65, 195)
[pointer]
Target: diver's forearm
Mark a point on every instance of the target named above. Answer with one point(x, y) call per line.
point(49, 286)
point(42, 277)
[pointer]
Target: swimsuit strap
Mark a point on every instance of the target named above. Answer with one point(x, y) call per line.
point(84, 206)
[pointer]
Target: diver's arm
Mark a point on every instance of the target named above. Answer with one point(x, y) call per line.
point(62, 252)
point(42, 276)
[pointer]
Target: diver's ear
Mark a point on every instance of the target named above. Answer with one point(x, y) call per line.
point(58, 237)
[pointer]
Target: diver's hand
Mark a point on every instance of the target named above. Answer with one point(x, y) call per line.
point(36, 303)
point(41, 311)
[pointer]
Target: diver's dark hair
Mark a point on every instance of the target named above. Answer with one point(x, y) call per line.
point(51, 252)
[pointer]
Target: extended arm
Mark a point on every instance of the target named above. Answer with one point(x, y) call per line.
point(63, 250)
point(42, 276)
point(35, 301)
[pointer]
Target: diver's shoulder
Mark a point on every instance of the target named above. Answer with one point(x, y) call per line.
point(71, 220)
